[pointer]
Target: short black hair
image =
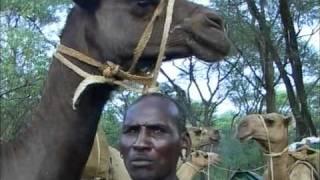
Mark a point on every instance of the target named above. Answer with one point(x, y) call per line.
point(180, 119)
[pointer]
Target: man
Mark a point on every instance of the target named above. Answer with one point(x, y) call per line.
point(153, 138)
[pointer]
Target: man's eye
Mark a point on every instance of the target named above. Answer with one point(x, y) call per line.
point(131, 131)
point(158, 130)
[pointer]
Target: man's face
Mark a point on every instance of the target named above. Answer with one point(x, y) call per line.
point(150, 141)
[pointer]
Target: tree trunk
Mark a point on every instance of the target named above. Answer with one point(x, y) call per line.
point(269, 82)
point(292, 51)
point(294, 104)
point(267, 63)
point(303, 125)
point(268, 74)
point(268, 70)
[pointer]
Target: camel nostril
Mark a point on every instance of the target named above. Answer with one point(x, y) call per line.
point(215, 21)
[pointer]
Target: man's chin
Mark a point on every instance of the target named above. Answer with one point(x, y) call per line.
point(142, 175)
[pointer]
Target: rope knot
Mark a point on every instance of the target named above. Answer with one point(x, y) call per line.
point(110, 70)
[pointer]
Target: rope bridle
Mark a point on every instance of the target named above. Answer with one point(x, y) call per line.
point(271, 154)
point(112, 73)
point(197, 169)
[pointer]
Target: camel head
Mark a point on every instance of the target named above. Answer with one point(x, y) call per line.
point(276, 126)
point(109, 30)
point(204, 138)
point(203, 159)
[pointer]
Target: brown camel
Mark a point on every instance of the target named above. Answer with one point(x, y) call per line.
point(198, 161)
point(204, 138)
point(56, 141)
point(105, 161)
point(271, 132)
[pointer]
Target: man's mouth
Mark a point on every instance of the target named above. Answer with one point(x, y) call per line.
point(141, 163)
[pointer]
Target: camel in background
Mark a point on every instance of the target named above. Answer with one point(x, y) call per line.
point(204, 138)
point(198, 160)
point(105, 161)
point(270, 131)
point(56, 141)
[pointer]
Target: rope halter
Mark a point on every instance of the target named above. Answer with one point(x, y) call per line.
point(271, 154)
point(112, 73)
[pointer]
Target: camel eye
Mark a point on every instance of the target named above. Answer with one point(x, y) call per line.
point(142, 8)
point(143, 3)
point(146, 3)
point(269, 122)
point(197, 132)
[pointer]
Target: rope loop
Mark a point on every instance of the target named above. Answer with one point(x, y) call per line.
point(112, 73)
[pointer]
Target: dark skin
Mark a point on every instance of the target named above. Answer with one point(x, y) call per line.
point(151, 143)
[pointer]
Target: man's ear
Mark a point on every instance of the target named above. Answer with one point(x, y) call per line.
point(186, 142)
point(89, 5)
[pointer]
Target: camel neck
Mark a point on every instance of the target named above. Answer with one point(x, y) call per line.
point(58, 139)
point(187, 171)
point(280, 169)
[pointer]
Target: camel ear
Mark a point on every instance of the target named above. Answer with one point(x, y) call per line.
point(90, 5)
point(185, 142)
point(287, 120)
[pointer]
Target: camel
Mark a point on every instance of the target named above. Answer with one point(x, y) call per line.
point(271, 133)
point(204, 138)
point(104, 161)
point(56, 141)
point(198, 161)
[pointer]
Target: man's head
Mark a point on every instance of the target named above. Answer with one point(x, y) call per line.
point(153, 136)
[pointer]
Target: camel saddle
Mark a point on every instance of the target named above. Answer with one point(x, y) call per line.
point(307, 154)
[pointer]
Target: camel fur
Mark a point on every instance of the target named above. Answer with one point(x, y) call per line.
point(55, 142)
point(199, 161)
point(273, 128)
point(204, 138)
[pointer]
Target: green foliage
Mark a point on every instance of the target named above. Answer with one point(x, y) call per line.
point(282, 102)
point(314, 101)
point(41, 10)
point(24, 58)
point(234, 155)
point(23, 67)
point(237, 156)
point(111, 126)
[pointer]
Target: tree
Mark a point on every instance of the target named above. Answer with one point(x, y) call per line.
point(207, 80)
point(24, 57)
point(259, 23)
point(293, 54)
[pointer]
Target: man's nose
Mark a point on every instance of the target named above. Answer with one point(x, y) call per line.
point(142, 142)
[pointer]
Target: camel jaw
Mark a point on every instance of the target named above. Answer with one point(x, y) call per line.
point(245, 138)
point(244, 135)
